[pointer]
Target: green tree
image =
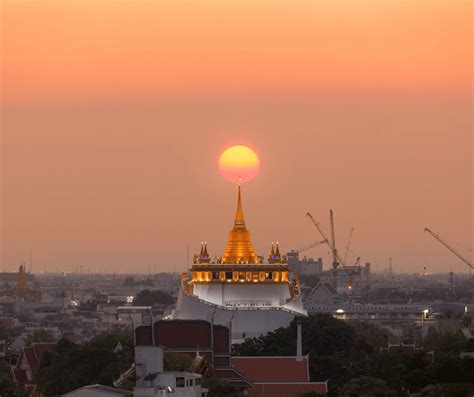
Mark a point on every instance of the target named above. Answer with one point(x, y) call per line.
point(176, 362)
point(367, 386)
point(444, 343)
point(71, 366)
point(40, 336)
point(149, 297)
point(8, 388)
point(219, 388)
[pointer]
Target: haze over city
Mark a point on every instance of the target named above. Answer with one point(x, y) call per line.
point(114, 118)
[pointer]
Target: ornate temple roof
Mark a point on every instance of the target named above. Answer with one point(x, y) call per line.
point(239, 248)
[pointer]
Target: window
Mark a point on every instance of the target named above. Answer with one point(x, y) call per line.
point(228, 275)
point(215, 275)
point(180, 381)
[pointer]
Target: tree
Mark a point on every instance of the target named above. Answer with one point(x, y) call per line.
point(8, 388)
point(40, 336)
point(219, 388)
point(176, 362)
point(148, 297)
point(467, 321)
point(71, 366)
point(367, 386)
point(444, 344)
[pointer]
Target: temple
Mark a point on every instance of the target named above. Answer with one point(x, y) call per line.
point(240, 289)
point(22, 291)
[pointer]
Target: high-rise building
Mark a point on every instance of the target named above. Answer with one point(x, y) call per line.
point(240, 289)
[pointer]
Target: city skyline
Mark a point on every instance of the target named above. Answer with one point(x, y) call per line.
point(110, 140)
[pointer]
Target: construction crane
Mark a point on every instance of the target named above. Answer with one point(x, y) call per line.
point(437, 237)
point(309, 246)
point(336, 259)
point(348, 245)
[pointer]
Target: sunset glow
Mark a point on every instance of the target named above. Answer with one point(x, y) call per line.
point(239, 163)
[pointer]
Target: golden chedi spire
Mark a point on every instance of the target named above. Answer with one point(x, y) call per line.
point(239, 248)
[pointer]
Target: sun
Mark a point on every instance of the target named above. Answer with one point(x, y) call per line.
point(239, 163)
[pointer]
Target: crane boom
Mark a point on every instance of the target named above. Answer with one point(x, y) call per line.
point(348, 245)
point(333, 240)
point(326, 240)
point(312, 245)
point(437, 237)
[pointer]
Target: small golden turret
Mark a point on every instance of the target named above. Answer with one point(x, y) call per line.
point(277, 253)
point(239, 248)
point(271, 257)
point(203, 255)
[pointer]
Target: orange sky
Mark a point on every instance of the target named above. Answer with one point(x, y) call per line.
point(114, 114)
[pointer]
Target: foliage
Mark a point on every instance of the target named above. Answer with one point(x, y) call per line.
point(467, 321)
point(349, 354)
point(451, 390)
point(367, 386)
point(7, 387)
point(40, 336)
point(4, 334)
point(219, 388)
point(149, 297)
point(176, 362)
point(444, 344)
point(71, 366)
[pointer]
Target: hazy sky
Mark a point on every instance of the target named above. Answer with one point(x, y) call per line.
point(114, 114)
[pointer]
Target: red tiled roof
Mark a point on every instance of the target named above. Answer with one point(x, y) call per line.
point(272, 369)
point(221, 339)
point(41, 348)
point(144, 335)
point(30, 357)
point(19, 376)
point(182, 333)
point(231, 375)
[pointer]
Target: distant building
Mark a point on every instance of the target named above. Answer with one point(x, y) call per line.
point(322, 293)
point(305, 266)
point(22, 291)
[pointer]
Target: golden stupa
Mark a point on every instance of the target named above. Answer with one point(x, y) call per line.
point(239, 248)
